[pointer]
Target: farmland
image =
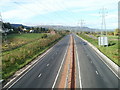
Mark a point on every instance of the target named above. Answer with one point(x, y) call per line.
point(20, 49)
point(17, 40)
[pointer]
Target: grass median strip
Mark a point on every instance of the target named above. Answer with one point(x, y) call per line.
point(111, 51)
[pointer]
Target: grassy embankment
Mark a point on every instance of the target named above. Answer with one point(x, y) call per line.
point(111, 51)
point(22, 49)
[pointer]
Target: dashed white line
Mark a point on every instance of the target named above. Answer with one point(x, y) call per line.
point(59, 69)
point(39, 75)
point(29, 67)
point(22, 75)
point(96, 72)
point(107, 65)
point(78, 69)
point(102, 60)
point(47, 65)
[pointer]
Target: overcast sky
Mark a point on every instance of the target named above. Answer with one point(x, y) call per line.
point(60, 12)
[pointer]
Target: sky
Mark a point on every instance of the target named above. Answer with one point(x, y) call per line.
point(60, 12)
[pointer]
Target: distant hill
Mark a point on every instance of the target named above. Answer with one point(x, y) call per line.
point(71, 28)
point(60, 27)
point(17, 25)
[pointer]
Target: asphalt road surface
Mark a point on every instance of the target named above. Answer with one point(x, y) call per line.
point(93, 72)
point(43, 75)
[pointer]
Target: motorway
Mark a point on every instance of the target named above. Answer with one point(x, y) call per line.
point(92, 72)
point(44, 73)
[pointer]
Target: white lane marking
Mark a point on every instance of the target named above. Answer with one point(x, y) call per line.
point(23, 75)
point(107, 65)
point(78, 68)
point(56, 53)
point(47, 65)
point(41, 57)
point(52, 57)
point(91, 61)
point(96, 72)
point(103, 61)
point(39, 75)
point(30, 67)
point(60, 68)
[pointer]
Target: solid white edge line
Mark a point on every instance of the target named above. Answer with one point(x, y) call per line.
point(60, 68)
point(78, 68)
point(41, 57)
point(23, 75)
point(103, 61)
point(108, 66)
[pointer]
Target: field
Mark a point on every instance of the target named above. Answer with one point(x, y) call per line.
point(17, 40)
point(111, 51)
point(20, 49)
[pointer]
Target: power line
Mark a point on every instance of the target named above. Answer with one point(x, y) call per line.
point(38, 3)
point(60, 15)
point(24, 7)
point(29, 9)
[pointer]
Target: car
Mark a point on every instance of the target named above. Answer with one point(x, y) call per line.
point(84, 43)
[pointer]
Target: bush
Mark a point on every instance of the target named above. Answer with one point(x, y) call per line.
point(44, 36)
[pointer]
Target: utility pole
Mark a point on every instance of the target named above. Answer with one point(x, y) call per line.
point(78, 27)
point(103, 24)
point(103, 40)
point(0, 50)
point(82, 23)
point(0, 38)
point(2, 27)
point(1, 22)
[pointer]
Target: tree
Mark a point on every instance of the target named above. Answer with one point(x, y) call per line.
point(15, 30)
point(117, 32)
point(7, 25)
point(110, 33)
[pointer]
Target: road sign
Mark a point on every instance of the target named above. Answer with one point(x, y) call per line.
point(102, 41)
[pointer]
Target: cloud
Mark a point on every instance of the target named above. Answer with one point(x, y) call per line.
point(24, 10)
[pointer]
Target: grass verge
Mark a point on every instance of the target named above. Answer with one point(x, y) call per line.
point(111, 51)
point(18, 58)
